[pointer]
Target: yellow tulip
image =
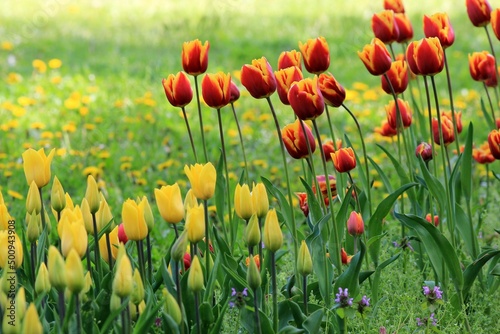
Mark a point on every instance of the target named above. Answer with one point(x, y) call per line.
point(243, 201)
point(133, 220)
point(4, 217)
point(190, 200)
point(32, 324)
point(57, 196)
point(169, 201)
point(202, 179)
point(195, 278)
point(123, 280)
point(87, 217)
point(260, 200)
point(113, 241)
point(42, 282)
point(11, 250)
point(148, 213)
point(92, 194)
point(33, 200)
point(252, 232)
point(195, 224)
point(103, 215)
point(304, 262)
point(56, 269)
point(37, 166)
point(75, 279)
point(138, 289)
point(73, 236)
point(273, 238)
point(172, 307)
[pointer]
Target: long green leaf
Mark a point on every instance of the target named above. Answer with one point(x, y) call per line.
point(382, 175)
point(434, 186)
point(486, 115)
point(376, 279)
point(473, 269)
point(464, 228)
point(286, 210)
point(466, 172)
point(313, 323)
point(350, 278)
point(312, 202)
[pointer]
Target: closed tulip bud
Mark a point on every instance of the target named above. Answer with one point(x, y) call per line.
point(42, 282)
point(202, 179)
point(305, 99)
point(171, 307)
point(346, 259)
point(424, 150)
point(429, 218)
point(115, 303)
point(304, 262)
point(20, 303)
point(10, 243)
point(439, 25)
point(138, 290)
point(123, 281)
point(37, 166)
point(482, 66)
point(195, 57)
point(253, 275)
point(495, 22)
point(479, 12)
point(57, 275)
point(195, 278)
point(384, 26)
point(260, 200)
point(284, 80)
point(31, 322)
point(33, 200)
point(289, 59)
point(235, 93)
point(252, 232)
point(113, 241)
point(122, 236)
point(258, 78)
point(344, 160)
point(216, 89)
point(404, 27)
point(4, 217)
point(75, 279)
point(148, 213)
point(398, 78)
point(316, 55)
point(179, 247)
point(195, 224)
point(429, 56)
point(332, 91)
point(33, 231)
point(178, 89)
point(396, 5)
point(483, 154)
point(355, 224)
point(104, 215)
point(375, 57)
point(243, 201)
point(74, 237)
point(190, 200)
point(133, 220)
point(447, 128)
point(92, 194)
point(494, 143)
point(88, 282)
point(169, 202)
point(295, 140)
point(273, 237)
point(87, 217)
point(69, 202)
point(392, 112)
point(57, 196)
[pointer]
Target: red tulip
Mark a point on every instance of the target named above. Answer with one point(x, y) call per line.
point(410, 57)
point(235, 93)
point(404, 110)
point(323, 187)
point(316, 55)
point(479, 12)
point(447, 128)
point(439, 25)
point(404, 27)
point(482, 66)
point(303, 203)
point(398, 77)
point(384, 26)
point(289, 59)
point(294, 139)
point(483, 154)
point(329, 148)
point(494, 143)
point(344, 160)
point(458, 119)
point(428, 56)
point(495, 22)
point(258, 78)
point(346, 259)
point(355, 224)
point(376, 58)
point(122, 236)
point(332, 91)
point(386, 129)
point(305, 99)
point(429, 219)
point(216, 89)
point(195, 57)
point(284, 79)
point(424, 150)
point(395, 5)
point(178, 89)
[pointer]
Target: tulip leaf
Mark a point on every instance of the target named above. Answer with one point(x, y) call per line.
point(247, 319)
point(110, 320)
point(486, 115)
point(473, 269)
point(216, 329)
point(313, 322)
point(286, 210)
point(288, 311)
point(435, 187)
point(350, 278)
point(291, 330)
point(315, 213)
point(376, 278)
point(466, 170)
point(383, 176)
point(375, 224)
point(169, 325)
point(321, 266)
point(466, 230)
point(496, 270)
point(147, 317)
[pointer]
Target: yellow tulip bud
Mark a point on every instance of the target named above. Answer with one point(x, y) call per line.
point(56, 269)
point(195, 278)
point(20, 303)
point(37, 166)
point(33, 200)
point(190, 200)
point(69, 202)
point(169, 201)
point(123, 281)
point(87, 217)
point(75, 280)
point(136, 311)
point(133, 221)
point(195, 224)
point(57, 196)
point(179, 247)
point(260, 200)
point(243, 201)
point(202, 179)
point(42, 282)
point(88, 282)
point(11, 324)
point(252, 231)
point(74, 237)
point(253, 275)
point(11, 250)
point(92, 194)
point(304, 262)
point(172, 307)
point(114, 303)
point(31, 323)
point(4, 217)
point(148, 213)
point(113, 241)
point(273, 238)
point(104, 215)
point(138, 289)
point(33, 231)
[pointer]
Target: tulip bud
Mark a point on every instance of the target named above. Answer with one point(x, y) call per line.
point(252, 232)
point(195, 278)
point(178, 89)
point(169, 201)
point(284, 80)
point(404, 111)
point(295, 137)
point(216, 89)
point(195, 57)
point(344, 160)
point(138, 289)
point(92, 194)
point(88, 283)
point(133, 220)
point(304, 262)
point(438, 25)
point(31, 322)
point(20, 303)
point(87, 217)
point(123, 280)
point(190, 200)
point(260, 200)
point(104, 216)
point(375, 57)
point(74, 237)
point(243, 201)
point(122, 236)
point(56, 269)
point(42, 282)
point(4, 217)
point(33, 230)
point(115, 302)
point(253, 275)
point(424, 150)
point(332, 91)
point(202, 179)
point(33, 200)
point(479, 12)
point(195, 224)
point(235, 93)
point(37, 166)
point(10, 243)
point(75, 279)
point(57, 196)
point(355, 224)
point(346, 259)
point(289, 59)
point(273, 237)
point(305, 99)
point(148, 213)
point(384, 26)
point(316, 55)
point(171, 307)
point(179, 247)
point(258, 78)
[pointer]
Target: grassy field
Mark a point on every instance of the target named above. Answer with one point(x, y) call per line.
point(105, 111)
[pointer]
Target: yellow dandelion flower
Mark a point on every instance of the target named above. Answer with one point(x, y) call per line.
point(125, 166)
point(39, 65)
point(232, 133)
point(360, 86)
point(264, 117)
point(141, 181)
point(126, 158)
point(18, 111)
point(130, 135)
point(55, 63)
point(71, 103)
point(12, 124)
point(160, 183)
point(98, 120)
point(136, 173)
point(7, 46)
point(89, 126)
point(26, 101)
point(212, 208)
point(61, 152)
point(92, 170)
point(104, 155)
point(70, 127)
point(274, 170)
point(15, 194)
point(101, 184)
point(56, 80)
point(37, 125)
point(149, 102)
point(86, 99)
point(351, 95)
point(13, 78)
point(249, 115)
point(92, 89)
point(371, 95)
point(83, 111)
point(119, 103)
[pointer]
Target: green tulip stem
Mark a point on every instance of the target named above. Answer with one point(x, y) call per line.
point(241, 142)
point(110, 257)
point(356, 195)
point(275, 291)
point(44, 226)
point(429, 108)
point(140, 257)
point(97, 254)
point(258, 329)
point(207, 240)
point(125, 317)
point(78, 314)
point(176, 231)
point(201, 118)
point(178, 281)
point(491, 106)
point(150, 261)
point(260, 241)
point(33, 262)
point(189, 133)
point(304, 289)
point(452, 107)
point(61, 307)
point(197, 311)
point(228, 190)
point(327, 112)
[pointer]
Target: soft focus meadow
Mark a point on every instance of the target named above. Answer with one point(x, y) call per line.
point(160, 162)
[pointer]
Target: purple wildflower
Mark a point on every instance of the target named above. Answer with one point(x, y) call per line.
point(342, 298)
point(238, 298)
point(432, 295)
point(404, 244)
point(424, 322)
point(363, 304)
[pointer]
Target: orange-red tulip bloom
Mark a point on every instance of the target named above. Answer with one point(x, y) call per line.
point(346, 259)
point(405, 111)
point(344, 160)
point(284, 79)
point(428, 56)
point(316, 55)
point(295, 140)
point(216, 89)
point(303, 203)
point(495, 22)
point(482, 66)
point(323, 187)
point(384, 26)
point(195, 57)
point(235, 92)
point(494, 143)
point(483, 154)
point(355, 224)
point(439, 25)
point(396, 5)
point(178, 89)
point(289, 59)
point(424, 150)
point(447, 128)
point(479, 12)
point(329, 147)
point(376, 58)
point(386, 129)
point(410, 57)
point(404, 27)
point(398, 77)
point(305, 99)
point(332, 91)
point(458, 119)
point(429, 219)
point(258, 78)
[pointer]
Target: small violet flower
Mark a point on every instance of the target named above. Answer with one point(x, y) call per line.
point(238, 298)
point(342, 298)
point(432, 295)
point(363, 304)
point(425, 321)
